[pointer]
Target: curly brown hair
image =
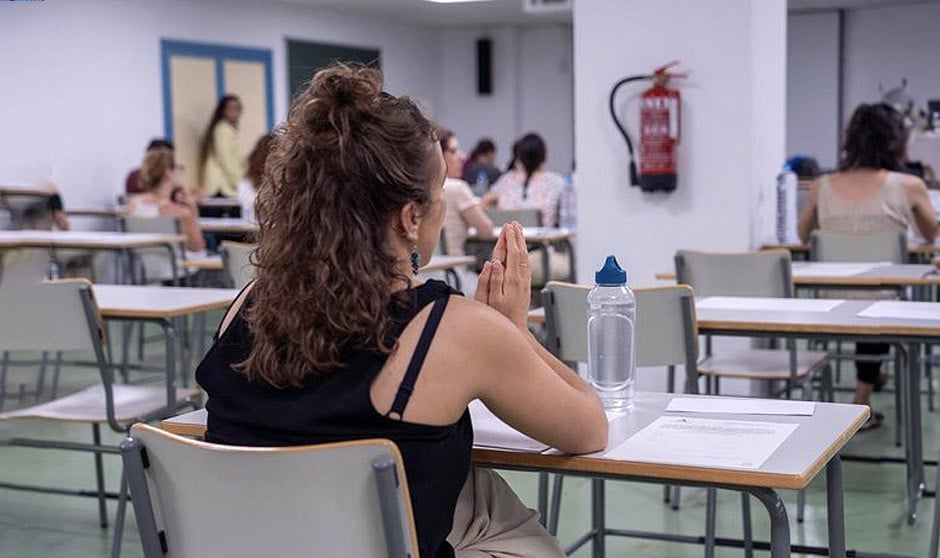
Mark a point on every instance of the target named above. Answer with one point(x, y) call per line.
point(347, 159)
point(257, 159)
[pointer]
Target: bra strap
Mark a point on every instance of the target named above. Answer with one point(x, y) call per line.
point(417, 360)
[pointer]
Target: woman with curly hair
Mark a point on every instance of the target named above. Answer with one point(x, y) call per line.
point(337, 340)
point(869, 194)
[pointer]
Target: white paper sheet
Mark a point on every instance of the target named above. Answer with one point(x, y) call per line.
point(491, 432)
point(834, 269)
point(696, 442)
point(902, 310)
point(764, 304)
point(741, 406)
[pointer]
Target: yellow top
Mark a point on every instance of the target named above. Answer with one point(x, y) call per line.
point(225, 165)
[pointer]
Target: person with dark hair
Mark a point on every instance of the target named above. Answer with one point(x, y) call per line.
point(480, 166)
point(529, 184)
point(248, 186)
point(869, 194)
point(131, 183)
point(221, 164)
point(336, 338)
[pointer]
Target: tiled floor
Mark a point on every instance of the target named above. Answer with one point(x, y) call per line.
point(59, 526)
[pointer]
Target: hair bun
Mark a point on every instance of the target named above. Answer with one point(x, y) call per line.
point(348, 86)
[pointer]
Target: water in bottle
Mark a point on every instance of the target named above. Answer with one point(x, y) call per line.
point(611, 337)
point(482, 183)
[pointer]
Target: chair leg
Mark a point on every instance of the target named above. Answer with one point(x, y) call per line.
point(554, 510)
point(99, 477)
point(935, 529)
point(118, 536)
point(543, 498)
point(800, 506)
point(898, 399)
point(838, 362)
point(675, 497)
point(140, 342)
point(746, 521)
point(54, 391)
point(710, 508)
point(4, 364)
point(41, 380)
point(928, 372)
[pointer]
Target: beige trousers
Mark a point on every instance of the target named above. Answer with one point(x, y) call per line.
point(491, 522)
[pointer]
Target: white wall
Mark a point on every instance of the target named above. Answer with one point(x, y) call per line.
point(81, 92)
point(882, 46)
point(732, 125)
point(532, 89)
point(812, 86)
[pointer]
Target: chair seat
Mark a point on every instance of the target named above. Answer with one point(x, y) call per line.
point(760, 364)
point(88, 405)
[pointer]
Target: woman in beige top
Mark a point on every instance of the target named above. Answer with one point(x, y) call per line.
point(164, 196)
point(869, 194)
point(464, 210)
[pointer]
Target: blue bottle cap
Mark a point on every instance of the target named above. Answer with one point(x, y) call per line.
point(611, 273)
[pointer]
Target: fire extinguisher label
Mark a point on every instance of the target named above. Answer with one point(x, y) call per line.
point(658, 132)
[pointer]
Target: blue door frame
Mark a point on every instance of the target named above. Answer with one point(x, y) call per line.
point(220, 54)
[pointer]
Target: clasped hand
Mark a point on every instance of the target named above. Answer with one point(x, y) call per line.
point(506, 280)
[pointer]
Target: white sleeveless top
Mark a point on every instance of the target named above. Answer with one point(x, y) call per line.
point(887, 210)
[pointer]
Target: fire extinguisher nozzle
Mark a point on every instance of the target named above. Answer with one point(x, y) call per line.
point(634, 178)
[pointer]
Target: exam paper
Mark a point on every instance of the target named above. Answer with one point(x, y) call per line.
point(697, 442)
point(491, 432)
point(834, 269)
point(902, 310)
point(764, 304)
point(741, 406)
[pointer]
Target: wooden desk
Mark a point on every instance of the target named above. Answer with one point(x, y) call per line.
point(915, 252)
point(813, 445)
point(227, 225)
point(87, 240)
point(102, 212)
point(32, 191)
point(842, 323)
point(205, 263)
point(546, 236)
point(828, 274)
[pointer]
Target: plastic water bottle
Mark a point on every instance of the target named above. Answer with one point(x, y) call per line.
point(786, 207)
point(612, 336)
point(482, 183)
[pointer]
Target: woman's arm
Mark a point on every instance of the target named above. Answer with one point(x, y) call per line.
point(809, 220)
point(925, 214)
point(519, 376)
point(189, 225)
point(475, 217)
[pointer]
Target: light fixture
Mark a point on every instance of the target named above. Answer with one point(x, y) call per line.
point(455, 1)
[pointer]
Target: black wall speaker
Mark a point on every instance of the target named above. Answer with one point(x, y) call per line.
point(484, 66)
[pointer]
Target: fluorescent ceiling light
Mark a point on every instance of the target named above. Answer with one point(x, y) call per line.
point(454, 1)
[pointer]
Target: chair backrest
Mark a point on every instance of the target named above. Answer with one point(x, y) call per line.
point(25, 266)
point(527, 217)
point(887, 246)
point(760, 274)
point(55, 316)
point(201, 499)
point(237, 263)
point(666, 333)
point(156, 261)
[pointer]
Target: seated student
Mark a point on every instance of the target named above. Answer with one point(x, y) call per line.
point(336, 340)
point(131, 184)
point(480, 167)
point(528, 184)
point(248, 187)
point(464, 210)
point(164, 196)
point(870, 193)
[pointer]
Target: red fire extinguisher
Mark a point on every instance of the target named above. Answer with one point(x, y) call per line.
point(659, 131)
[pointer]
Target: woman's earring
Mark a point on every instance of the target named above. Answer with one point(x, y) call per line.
point(415, 261)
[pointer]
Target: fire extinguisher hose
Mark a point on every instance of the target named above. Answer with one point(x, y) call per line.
point(634, 178)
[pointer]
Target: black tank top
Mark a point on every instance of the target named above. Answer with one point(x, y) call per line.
point(336, 406)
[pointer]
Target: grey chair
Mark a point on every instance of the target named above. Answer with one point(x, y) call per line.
point(64, 316)
point(666, 335)
point(237, 263)
point(752, 274)
point(528, 217)
point(890, 246)
point(193, 498)
point(156, 264)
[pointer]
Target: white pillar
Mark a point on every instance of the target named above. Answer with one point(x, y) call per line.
point(733, 128)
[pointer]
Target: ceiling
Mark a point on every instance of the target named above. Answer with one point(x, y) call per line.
point(421, 12)
point(509, 12)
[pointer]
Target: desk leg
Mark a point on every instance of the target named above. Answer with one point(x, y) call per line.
point(598, 521)
point(835, 508)
point(779, 524)
point(169, 333)
point(915, 437)
point(543, 498)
